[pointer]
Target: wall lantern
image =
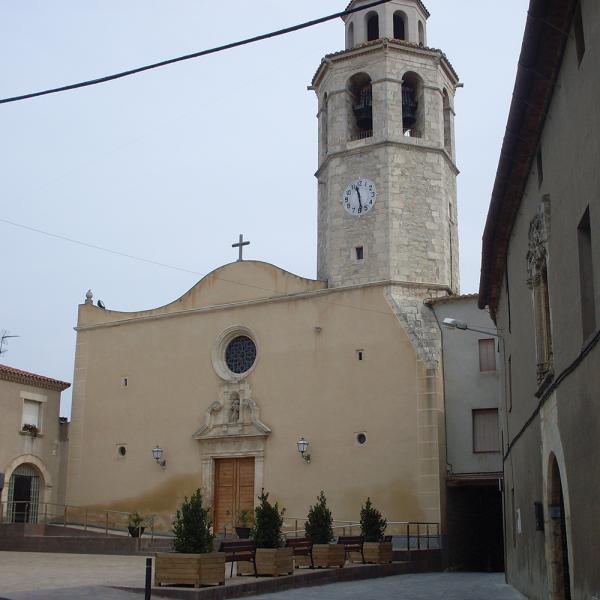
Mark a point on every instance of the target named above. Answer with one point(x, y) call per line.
point(449, 323)
point(157, 453)
point(302, 448)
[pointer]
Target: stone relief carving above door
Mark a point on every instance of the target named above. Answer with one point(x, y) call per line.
point(234, 414)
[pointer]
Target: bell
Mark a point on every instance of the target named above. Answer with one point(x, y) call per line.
point(409, 107)
point(363, 110)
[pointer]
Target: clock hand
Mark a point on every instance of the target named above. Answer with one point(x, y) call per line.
point(359, 200)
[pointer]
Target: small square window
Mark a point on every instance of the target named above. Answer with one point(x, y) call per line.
point(486, 434)
point(360, 253)
point(487, 355)
point(360, 354)
point(32, 413)
point(125, 381)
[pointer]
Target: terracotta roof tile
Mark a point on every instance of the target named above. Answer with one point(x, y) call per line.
point(422, 6)
point(16, 375)
point(384, 41)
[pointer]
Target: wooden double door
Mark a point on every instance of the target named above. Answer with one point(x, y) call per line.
point(234, 491)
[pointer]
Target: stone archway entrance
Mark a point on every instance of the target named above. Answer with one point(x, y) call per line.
point(560, 579)
point(24, 494)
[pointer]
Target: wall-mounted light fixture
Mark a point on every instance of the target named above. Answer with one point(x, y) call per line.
point(449, 323)
point(303, 449)
point(157, 454)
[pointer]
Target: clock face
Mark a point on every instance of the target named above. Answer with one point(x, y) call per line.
point(359, 197)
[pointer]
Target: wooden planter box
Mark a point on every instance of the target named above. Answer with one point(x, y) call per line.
point(378, 552)
point(329, 555)
point(189, 569)
point(274, 561)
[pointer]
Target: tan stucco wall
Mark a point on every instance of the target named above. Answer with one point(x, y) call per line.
point(307, 382)
point(16, 448)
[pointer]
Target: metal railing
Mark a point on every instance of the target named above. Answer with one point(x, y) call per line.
point(109, 522)
point(406, 535)
point(361, 135)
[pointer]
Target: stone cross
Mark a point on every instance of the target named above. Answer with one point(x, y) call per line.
point(240, 245)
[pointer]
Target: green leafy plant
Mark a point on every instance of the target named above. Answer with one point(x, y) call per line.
point(268, 521)
point(318, 526)
point(193, 527)
point(372, 523)
point(245, 518)
point(30, 429)
point(135, 519)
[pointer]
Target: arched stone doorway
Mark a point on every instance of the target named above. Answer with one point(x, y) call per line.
point(560, 580)
point(24, 488)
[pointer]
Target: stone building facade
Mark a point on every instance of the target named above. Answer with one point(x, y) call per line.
point(226, 379)
point(541, 282)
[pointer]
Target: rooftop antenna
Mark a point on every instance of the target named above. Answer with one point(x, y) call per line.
point(3, 337)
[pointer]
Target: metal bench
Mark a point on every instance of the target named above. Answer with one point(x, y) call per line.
point(352, 543)
point(301, 547)
point(239, 551)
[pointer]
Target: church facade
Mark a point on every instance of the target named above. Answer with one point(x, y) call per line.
point(225, 381)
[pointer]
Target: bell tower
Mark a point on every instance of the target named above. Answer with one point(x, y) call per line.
point(387, 172)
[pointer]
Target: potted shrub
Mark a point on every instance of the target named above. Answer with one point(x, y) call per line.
point(31, 429)
point(134, 524)
point(271, 557)
point(372, 528)
point(244, 524)
point(193, 562)
point(318, 528)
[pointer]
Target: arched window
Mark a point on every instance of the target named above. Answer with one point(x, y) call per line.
point(421, 34)
point(412, 105)
point(350, 36)
point(399, 26)
point(360, 93)
point(447, 125)
point(372, 27)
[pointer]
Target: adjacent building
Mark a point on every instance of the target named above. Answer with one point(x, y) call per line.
point(541, 282)
point(472, 355)
point(33, 441)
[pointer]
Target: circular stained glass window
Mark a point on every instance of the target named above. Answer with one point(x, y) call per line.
point(240, 354)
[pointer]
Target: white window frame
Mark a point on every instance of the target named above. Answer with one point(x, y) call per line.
point(41, 400)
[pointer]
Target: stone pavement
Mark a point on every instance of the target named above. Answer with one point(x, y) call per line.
point(32, 576)
point(429, 586)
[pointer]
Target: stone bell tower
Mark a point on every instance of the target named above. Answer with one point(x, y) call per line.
point(387, 172)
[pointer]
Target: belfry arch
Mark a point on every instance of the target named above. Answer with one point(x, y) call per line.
point(360, 94)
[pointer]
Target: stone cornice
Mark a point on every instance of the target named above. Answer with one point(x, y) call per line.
point(386, 45)
point(260, 301)
point(361, 148)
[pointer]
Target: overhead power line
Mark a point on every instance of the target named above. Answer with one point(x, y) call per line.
point(171, 61)
point(167, 266)
point(101, 248)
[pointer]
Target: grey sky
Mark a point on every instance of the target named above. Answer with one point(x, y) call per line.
point(172, 165)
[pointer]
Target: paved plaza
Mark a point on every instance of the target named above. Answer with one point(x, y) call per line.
point(33, 576)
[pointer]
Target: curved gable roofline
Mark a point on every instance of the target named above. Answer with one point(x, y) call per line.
point(228, 284)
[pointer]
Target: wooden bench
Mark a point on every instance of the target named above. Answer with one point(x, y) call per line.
point(301, 546)
point(239, 551)
point(352, 543)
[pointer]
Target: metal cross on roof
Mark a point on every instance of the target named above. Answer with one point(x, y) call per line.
point(240, 245)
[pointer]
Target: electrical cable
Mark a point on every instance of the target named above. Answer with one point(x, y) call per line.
point(171, 61)
point(175, 268)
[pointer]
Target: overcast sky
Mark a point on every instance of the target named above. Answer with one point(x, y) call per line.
point(172, 165)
